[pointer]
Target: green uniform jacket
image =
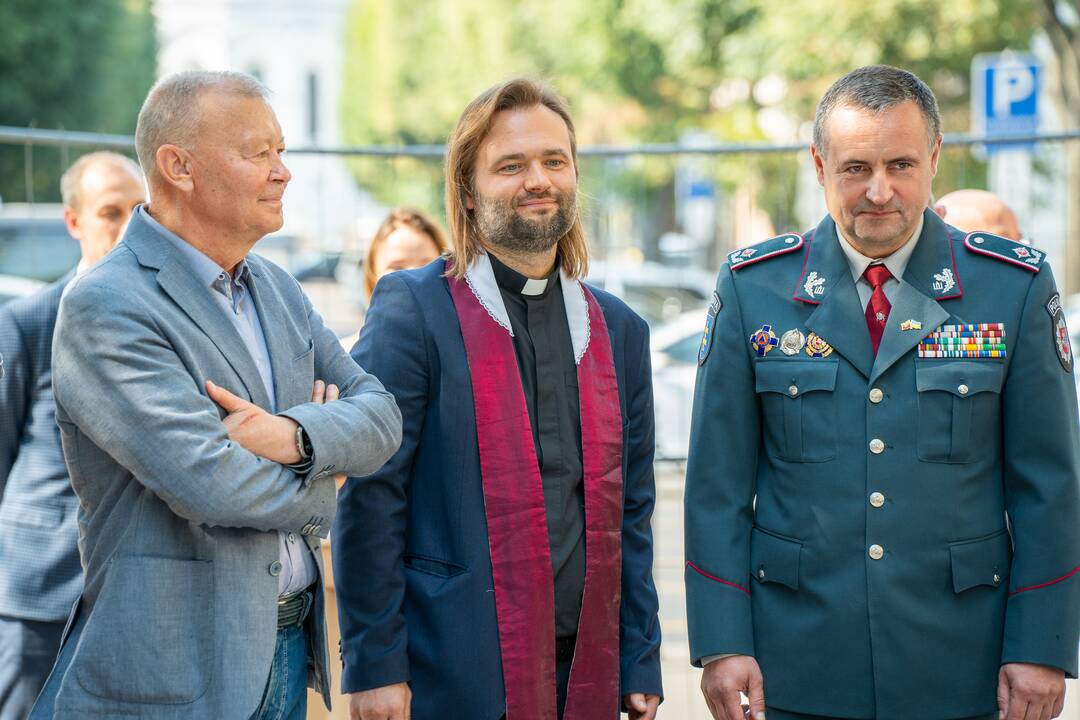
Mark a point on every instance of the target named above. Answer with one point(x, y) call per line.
point(883, 533)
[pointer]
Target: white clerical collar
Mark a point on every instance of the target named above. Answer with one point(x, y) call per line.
point(896, 263)
point(534, 287)
point(481, 280)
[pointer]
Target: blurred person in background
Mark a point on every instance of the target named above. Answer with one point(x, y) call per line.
point(882, 489)
point(203, 406)
point(979, 210)
point(466, 587)
point(406, 239)
point(40, 574)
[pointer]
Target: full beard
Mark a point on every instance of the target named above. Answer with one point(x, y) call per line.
point(500, 225)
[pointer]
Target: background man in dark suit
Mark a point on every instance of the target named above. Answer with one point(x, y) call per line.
point(485, 556)
point(40, 575)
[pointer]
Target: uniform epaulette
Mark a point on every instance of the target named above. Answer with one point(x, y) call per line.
point(1006, 250)
point(774, 247)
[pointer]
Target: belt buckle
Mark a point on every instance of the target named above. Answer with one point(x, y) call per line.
point(307, 598)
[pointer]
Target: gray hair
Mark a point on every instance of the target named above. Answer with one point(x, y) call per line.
point(71, 180)
point(170, 113)
point(877, 88)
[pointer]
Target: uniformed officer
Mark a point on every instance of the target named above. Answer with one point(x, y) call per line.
point(882, 491)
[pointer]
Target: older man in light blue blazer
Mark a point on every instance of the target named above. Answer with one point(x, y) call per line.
point(202, 457)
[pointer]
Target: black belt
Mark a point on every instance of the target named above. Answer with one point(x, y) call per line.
point(564, 648)
point(293, 609)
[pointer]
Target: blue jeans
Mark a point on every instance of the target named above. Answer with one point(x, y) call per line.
point(285, 697)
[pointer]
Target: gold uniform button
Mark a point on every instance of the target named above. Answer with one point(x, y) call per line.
point(876, 396)
point(877, 552)
point(963, 389)
point(877, 446)
point(877, 499)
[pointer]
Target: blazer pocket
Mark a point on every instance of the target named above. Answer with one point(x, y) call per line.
point(431, 566)
point(14, 513)
point(149, 638)
point(774, 559)
point(982, 561)
point(307, 351)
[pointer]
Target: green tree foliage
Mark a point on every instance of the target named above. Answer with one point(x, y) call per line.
point(646, 71)
point(72, 65)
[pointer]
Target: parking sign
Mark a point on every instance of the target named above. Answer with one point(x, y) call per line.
point(1005, 95)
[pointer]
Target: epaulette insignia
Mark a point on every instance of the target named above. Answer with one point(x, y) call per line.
point(779, 245)
point(1006, 250)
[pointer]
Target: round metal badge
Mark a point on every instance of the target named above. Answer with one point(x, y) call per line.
point(817, 347)
point(792, 342)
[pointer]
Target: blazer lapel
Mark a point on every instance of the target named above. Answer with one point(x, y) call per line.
point(179, 282)
point(289, 390)
point(827, 283)
point(930, 277)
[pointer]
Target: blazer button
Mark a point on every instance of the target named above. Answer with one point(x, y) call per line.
point(793, 390)
point(275, 568)
point(963, 389)
point(877, 499)
point(877, 552)
point(877, 446)
point(876, 395)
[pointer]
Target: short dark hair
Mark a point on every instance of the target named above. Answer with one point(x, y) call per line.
point(877, 88)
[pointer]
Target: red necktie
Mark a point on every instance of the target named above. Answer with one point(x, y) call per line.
point(877, 310)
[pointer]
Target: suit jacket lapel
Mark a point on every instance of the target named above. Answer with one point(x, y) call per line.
point(930, 277)
point(288, 390)
point(180, 283)
point(826, 282)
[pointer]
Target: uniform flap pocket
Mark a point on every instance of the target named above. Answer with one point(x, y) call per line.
point(31, 515)
point(794, 377)
point(774, 558)
point(959, 378)
point(983, 561)
point(432, 566)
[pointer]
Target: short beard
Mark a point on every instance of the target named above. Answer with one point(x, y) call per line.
point(500, 225)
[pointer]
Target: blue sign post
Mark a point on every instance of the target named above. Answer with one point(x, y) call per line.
point(1005, 91)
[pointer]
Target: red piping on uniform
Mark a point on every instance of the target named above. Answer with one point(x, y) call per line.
point(1066, 576)
point(724, 582)
point(795, 295)
point(1003, 258)
point(774, 253)
point(956, 274)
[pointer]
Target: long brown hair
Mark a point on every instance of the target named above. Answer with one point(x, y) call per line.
point(463, 148)
point(398, 217)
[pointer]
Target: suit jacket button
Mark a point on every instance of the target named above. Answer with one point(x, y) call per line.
point(877, 552)
point(876, 395)
point(275, 568)
point(877, 446)
point(877, 499)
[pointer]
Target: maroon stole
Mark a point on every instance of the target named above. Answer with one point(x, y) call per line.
point(517, 524)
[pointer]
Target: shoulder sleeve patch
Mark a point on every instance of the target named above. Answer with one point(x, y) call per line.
point(774, 247)
point(1006, 250)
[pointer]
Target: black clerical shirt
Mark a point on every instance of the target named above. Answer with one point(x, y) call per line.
point(545, 356)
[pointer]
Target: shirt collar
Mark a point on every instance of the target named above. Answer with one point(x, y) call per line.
point(512, 281)
point(896, 263)
point(206, 270)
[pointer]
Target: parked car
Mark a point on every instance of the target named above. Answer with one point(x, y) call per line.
point(38, 248)
point(659, 293)
point(674, 369)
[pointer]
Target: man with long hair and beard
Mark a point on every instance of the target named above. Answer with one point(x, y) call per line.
point(500, 564)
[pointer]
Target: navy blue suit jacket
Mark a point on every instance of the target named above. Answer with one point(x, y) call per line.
point(40, 574)
point(410, 547)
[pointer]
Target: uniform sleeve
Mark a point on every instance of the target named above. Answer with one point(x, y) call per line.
point(720, 479)
point(369, 532)
point(1042, 492)
point(119, 381)
point(14, 393)
point(639, 631)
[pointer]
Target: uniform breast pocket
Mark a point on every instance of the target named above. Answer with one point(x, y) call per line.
point(959, 403)
point(798, 407)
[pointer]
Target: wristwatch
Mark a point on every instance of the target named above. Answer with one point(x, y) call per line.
point(303, 443)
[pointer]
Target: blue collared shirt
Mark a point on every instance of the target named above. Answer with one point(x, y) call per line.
point(232, 295)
